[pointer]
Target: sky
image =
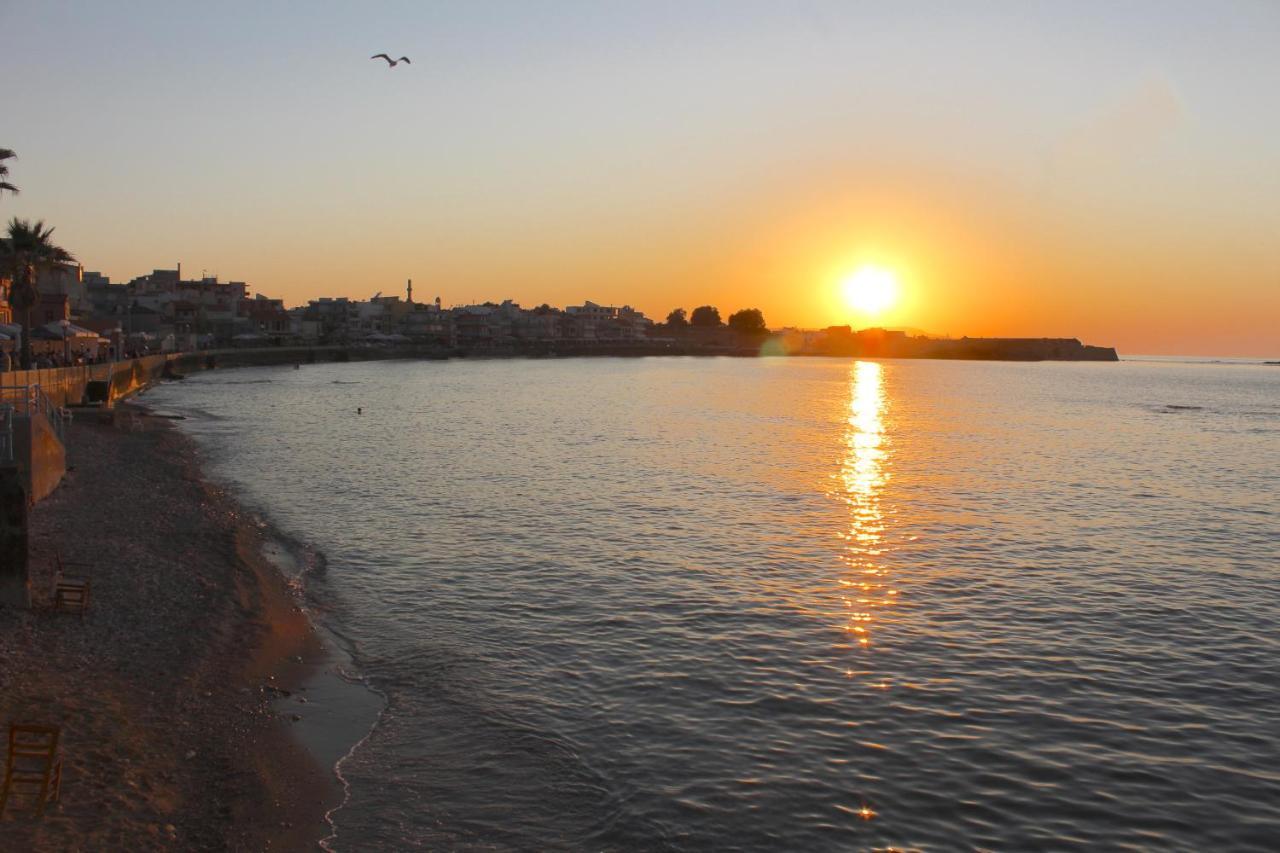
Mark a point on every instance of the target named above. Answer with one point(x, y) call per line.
point(1101, 170)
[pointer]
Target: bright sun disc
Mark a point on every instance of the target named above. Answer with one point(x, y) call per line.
point(871, 290)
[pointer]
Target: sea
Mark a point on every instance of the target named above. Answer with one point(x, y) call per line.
point(794, 604)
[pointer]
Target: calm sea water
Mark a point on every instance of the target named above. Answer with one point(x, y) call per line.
point(786, 604)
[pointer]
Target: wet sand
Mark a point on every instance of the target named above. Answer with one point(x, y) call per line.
point(175, 692)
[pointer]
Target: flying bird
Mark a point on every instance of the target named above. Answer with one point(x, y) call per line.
point(392, 63)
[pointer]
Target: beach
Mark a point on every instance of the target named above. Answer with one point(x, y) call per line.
point(177, 692)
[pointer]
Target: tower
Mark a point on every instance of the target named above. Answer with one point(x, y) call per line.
point(409, 291)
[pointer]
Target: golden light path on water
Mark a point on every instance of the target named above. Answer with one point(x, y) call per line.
point(862, 477)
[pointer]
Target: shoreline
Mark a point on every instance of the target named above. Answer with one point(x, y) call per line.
point(182, 692)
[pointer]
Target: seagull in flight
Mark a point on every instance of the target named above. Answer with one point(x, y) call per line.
point(392, 63)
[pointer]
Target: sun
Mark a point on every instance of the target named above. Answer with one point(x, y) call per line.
point(870, 290)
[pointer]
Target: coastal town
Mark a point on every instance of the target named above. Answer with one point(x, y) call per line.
point(83, 317)
point(83, 312)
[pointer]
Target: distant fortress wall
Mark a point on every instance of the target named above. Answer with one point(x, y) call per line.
point(879, 343)
point(1020, 349)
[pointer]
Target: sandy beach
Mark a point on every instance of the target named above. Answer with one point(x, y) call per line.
point(168, 693)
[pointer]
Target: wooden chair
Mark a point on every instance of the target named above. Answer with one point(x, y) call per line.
point(33, 770)
point(70, 593)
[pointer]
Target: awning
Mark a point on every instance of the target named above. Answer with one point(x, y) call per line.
point(72, 330)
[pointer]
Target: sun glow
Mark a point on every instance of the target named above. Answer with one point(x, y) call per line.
point(871, 290)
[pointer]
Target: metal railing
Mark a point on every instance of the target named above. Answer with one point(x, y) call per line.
point(32, 401)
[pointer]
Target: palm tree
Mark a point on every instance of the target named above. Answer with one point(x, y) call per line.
point(5, 186)
point(27, 251)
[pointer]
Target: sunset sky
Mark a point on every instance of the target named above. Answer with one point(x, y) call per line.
point(1104, 170)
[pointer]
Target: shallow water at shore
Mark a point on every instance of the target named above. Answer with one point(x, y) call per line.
point(800, 604)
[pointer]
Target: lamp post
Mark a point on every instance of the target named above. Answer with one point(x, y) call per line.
point(66, 345)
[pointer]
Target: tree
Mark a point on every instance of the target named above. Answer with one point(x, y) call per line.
point(27, 251)
point(748, 321)
point(705, 316)
point(5, 186)
point(676, 319)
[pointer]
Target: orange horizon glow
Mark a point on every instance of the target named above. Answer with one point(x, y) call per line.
point(1104, 182)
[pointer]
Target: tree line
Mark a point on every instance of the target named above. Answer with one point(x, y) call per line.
point(748, 321)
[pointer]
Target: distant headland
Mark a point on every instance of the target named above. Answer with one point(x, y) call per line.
point(884, 343)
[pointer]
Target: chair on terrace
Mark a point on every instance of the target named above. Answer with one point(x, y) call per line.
point(70, 593)
point(33, 769)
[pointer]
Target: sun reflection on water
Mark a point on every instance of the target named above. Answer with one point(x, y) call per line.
point(862, 478)
point(865, 588)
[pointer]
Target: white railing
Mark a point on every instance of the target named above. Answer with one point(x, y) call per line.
point(31, 401)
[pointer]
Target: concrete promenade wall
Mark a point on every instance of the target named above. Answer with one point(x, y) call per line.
point(39, 454)
point(68, 385)
point(71, 386)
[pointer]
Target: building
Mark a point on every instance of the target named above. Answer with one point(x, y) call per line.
point(66, 280)
point(330, 318)
point(265, 316)
point(543, 323)
point(592, 322)
point(484, 325)
point(428, 323)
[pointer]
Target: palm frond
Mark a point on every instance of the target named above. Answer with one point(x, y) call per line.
point(32, 241)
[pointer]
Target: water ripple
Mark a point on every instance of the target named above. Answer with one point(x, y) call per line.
point(690, 604)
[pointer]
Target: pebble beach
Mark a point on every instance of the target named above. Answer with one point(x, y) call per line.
point(167, 691)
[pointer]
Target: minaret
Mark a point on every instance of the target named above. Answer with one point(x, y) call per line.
point(409, 297)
